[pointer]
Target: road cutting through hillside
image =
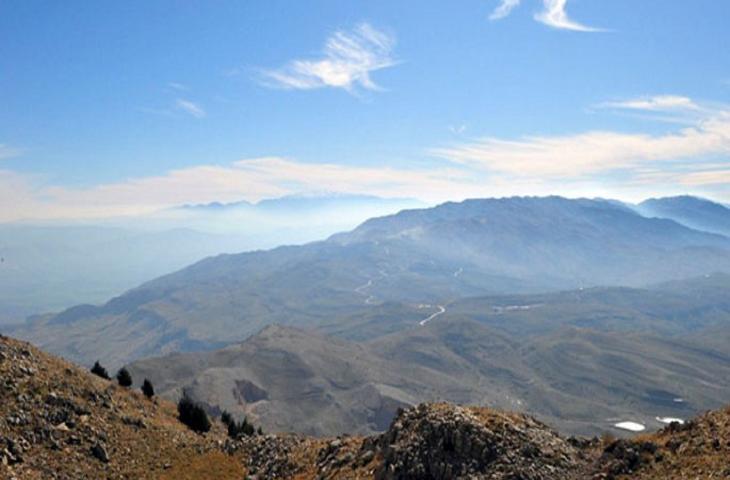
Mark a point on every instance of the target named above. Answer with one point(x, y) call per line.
point(441, 311)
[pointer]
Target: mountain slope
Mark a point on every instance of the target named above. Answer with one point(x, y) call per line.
point(693, 212)
point(57, 421)
point(579, 380)
point(428, 256)
point(49, 267)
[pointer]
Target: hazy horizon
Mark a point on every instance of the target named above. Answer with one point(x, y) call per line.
point(182, 104)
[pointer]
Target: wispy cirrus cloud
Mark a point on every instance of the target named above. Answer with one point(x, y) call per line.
point(553, 14)
point(657, 103)
point(504, 9)
point(347, 61)
point(690, 156)
point(177, 86)
point(190, 108)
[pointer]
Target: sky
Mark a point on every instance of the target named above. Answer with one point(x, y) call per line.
point(124, 108)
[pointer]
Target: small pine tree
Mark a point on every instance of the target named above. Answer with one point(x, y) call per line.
point(226, 418)
point(148, 389)
point(239, 429)
point(124, 378)
point(100, 371)
point(193, 415)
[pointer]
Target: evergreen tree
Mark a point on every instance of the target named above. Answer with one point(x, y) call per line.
point(100, 371)
point(226, 418)
point(124, 378)
point(193, 415)
point(239, 429)
point(148, 389)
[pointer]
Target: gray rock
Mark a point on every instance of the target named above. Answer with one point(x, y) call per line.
point(100, 453)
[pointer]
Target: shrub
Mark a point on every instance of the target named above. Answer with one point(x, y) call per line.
point(193, 415)
point(100, 371)
point(148, 389)
point(124, 378)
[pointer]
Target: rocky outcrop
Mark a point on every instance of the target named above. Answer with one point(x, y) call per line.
point(448, 442)
point(698, 449)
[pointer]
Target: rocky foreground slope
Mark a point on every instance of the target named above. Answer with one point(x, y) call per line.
point(60, 422)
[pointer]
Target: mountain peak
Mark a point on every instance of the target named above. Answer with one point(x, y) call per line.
point(694, 212)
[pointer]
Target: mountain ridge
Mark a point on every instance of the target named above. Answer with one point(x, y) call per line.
point(427, 256)
point(694, 212)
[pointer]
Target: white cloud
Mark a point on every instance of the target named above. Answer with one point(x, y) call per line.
point(504, 9)
point(592, 153)
point(178, 86)
point(709, 177)
point(553, 14)
point(190, 107)
point(658, 103)
point(348, 59)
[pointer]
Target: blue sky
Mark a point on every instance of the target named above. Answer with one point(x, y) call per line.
point(113, 108)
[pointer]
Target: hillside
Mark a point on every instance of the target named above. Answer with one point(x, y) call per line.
point(579, 380)
point(51, 266)
point(57, 421)
point(416, 257)
point(694, 212)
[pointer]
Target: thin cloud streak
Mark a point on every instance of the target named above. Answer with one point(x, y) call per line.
point(348, 59)
point(190, 108)
point(504, 9)
point(658, 103)
point(178, 86)
point(594, 153)
point(553, 15)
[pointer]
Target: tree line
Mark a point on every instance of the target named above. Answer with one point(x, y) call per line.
point(190, 413)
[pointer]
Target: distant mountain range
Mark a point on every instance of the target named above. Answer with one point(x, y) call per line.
point(413, 263)
point(51, 267)
point(693, 212)
point(313, 203)
point(287, 220)
point(48, 268)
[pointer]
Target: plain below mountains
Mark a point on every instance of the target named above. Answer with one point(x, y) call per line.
point(391, 271)
point(49, 266)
